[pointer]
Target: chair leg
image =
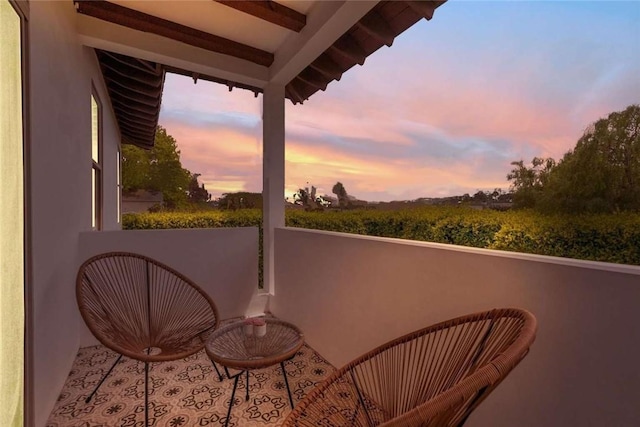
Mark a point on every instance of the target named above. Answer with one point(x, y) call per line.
point(364, 406)
point(102, 380)
point(472, 405)
point(286, 381)
point(146, 394)
point(247, 396)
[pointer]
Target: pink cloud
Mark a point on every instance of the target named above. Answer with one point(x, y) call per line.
point(430, 116)
point(227, 160)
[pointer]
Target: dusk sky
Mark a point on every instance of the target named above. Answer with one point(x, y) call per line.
point(442, 112)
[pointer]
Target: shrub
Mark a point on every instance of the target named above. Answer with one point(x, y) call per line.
point(602, 237)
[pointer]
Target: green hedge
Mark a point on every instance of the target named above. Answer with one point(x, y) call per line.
point(204, 219)
point(610, 238)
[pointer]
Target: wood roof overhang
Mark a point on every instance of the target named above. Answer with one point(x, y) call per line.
point(379, 27)
point(135, 86)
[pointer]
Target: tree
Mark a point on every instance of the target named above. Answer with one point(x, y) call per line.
point(135, 168)
point(480, 197)
point(157, 169)
point(240, 200)
point(196, 192)
point(602, 172)
point(341, 193)
point(527, 182)
point(307, 198)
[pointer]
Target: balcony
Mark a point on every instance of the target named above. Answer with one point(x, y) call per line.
point(347, 293)
point(351, 293)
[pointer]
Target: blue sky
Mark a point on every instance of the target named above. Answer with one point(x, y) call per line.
point(442, 112)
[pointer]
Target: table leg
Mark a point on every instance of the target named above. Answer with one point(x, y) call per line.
point(233, 396)
point(217, 370)
point(286, 381)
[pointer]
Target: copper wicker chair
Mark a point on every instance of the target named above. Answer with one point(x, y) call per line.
point(142, 309)
point(432, 377)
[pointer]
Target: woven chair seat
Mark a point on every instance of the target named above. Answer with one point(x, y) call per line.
point(435, 376)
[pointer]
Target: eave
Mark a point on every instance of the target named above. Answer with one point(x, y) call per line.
point(305, 63)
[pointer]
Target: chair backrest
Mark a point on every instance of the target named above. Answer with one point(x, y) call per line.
point(435, 376)
point(131, 302)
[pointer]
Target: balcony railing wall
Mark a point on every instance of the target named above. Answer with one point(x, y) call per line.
point(351, 293)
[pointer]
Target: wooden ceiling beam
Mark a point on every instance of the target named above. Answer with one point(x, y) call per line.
point(270, 11)
point(142, 125)
point(294, 95)
point(288, 95)
point(152, 66)
point(348, 47)
point(325, 65)
point(130, 74)
point(144, 85)
point(132, 85)
point(127, 61)
point(376, 26)
point(141, 112)
point(313, 78)
point(135, 97)
point(424, 8)
point(132, 131)
point(133, 115)
point(134, 125)
point(303, 89)
point(140, 21)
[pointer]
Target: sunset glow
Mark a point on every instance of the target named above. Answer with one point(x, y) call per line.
point(442, 112)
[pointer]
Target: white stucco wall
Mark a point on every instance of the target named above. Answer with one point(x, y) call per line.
point(223, 261)
point(61, 75)
point(351, 293)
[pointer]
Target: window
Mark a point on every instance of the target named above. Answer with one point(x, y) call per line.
point(96, 165)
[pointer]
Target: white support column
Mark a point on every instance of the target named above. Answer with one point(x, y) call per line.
point(272, 175)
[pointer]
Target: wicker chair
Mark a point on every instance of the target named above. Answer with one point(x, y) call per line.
point(432, 377)
point(142, 309)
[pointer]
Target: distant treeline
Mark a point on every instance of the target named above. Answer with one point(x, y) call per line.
point(599, 237)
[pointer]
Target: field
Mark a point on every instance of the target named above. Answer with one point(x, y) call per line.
point(610, 238)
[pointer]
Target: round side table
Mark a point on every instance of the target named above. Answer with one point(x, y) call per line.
point(233, 347)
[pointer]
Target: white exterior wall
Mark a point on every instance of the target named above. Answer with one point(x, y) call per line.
point(351, 293)
point(222, 261)
point(61, 75)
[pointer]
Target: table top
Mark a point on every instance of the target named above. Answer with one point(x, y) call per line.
point(231, 347)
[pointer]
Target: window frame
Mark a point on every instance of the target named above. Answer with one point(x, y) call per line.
point(97, 166)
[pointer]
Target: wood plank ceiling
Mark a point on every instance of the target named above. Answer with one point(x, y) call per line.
point(135, 86)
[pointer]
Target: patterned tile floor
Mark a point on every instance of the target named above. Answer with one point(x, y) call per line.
point(181, 393)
